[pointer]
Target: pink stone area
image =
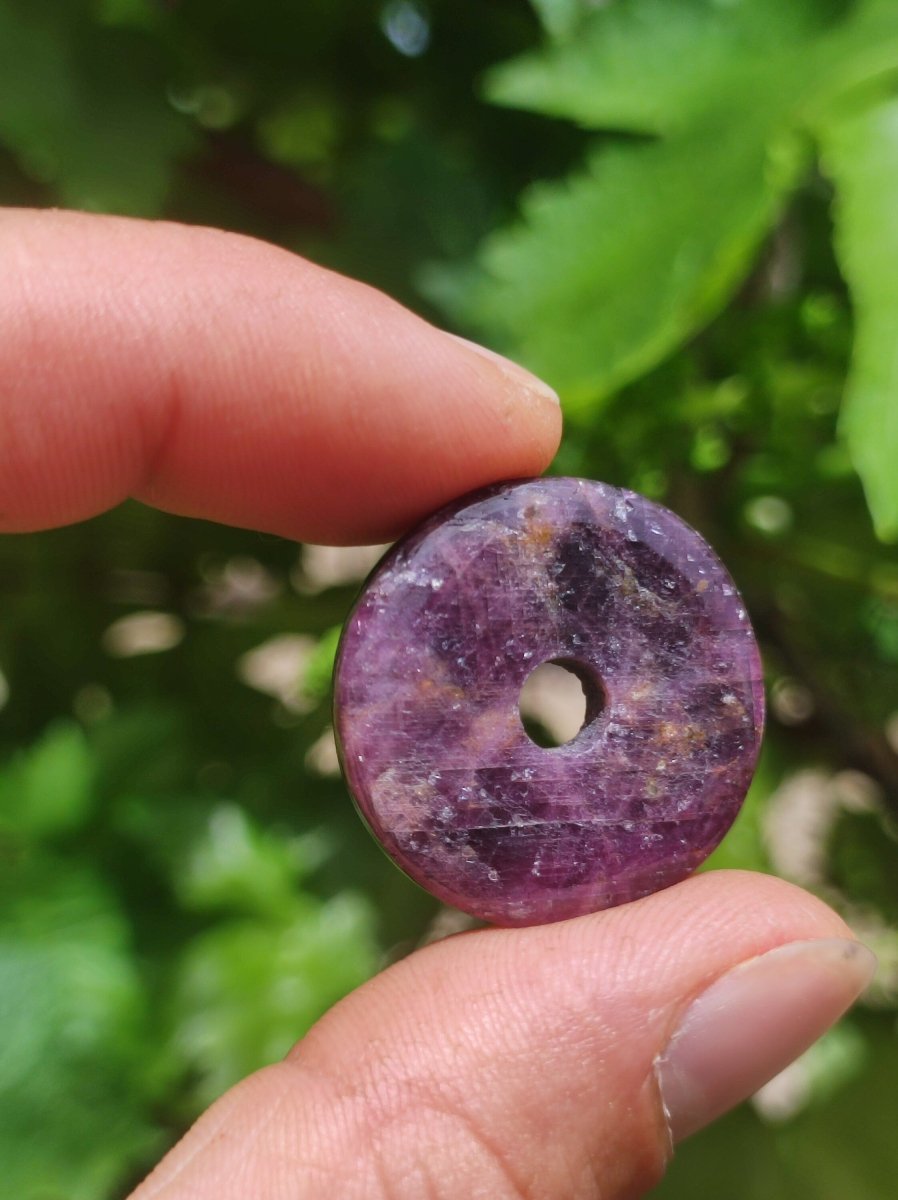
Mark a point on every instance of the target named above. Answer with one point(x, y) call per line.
point(432, 662)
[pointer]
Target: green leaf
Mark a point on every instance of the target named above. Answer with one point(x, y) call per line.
point(625, 68)
point(86, 110)
point(73, 1096)
point(861, 155)
point(248, 990)
point(49, 790)
point(215, 857)
point(320, 667)
point(612, 268)
point(235, 865)
point(609, 270)
point(559, 16)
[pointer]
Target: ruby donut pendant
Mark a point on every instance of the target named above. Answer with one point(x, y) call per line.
point(430, 669)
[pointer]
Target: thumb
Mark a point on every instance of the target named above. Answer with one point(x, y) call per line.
point(554, 1063)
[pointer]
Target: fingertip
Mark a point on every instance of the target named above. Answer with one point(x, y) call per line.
point(449, 417)
point(752, 1022)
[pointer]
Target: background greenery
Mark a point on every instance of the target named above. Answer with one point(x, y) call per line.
point(684, 213)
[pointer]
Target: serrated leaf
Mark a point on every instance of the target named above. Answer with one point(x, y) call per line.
point(610, 269)
point(627, 67)
point(862, 158)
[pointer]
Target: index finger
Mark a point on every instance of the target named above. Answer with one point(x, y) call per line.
point(216, 376)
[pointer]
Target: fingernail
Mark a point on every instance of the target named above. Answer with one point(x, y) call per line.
point(514, 373)
point(752, 1023)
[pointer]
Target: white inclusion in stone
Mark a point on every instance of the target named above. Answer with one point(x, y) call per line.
point(621, 509)
point(632, 535)
point(409, 576)
point(493, 875)
point(436, 583)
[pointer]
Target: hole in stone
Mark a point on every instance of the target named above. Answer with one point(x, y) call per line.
point(558, 699)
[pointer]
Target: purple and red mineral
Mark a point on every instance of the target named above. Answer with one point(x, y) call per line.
point(431, 666)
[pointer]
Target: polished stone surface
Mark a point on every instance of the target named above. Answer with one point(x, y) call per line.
point(432, 662)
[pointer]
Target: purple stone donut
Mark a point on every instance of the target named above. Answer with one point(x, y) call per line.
point(432, 662)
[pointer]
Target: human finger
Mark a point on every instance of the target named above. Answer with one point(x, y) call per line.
point(216, 376)
point(551, 1063)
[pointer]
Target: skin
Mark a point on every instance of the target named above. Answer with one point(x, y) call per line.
point(213, 376)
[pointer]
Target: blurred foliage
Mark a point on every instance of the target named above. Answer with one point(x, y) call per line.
point(691, 231)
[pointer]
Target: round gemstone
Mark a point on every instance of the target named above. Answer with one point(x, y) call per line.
point(434, 656)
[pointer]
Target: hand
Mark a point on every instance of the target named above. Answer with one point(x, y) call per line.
point(217, 377)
